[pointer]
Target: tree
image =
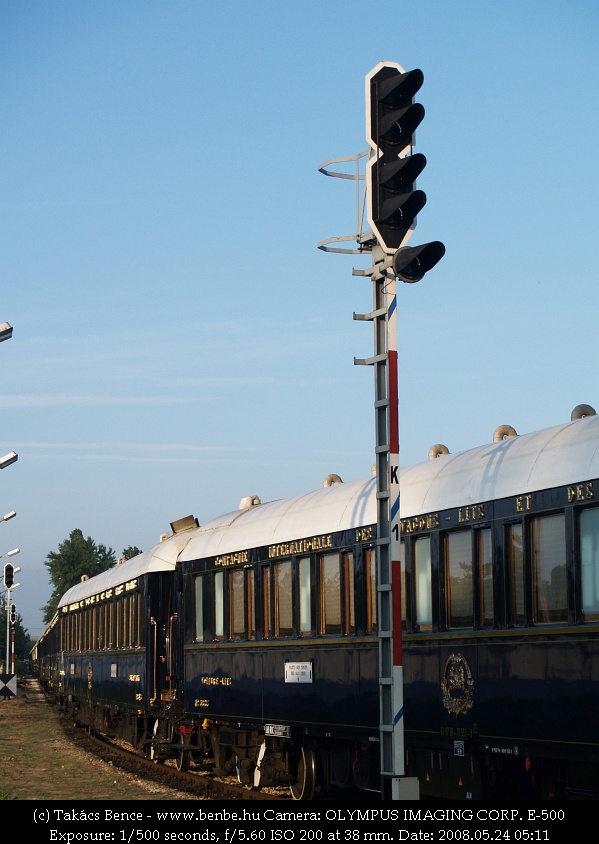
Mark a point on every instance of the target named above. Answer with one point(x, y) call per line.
point(76, 556)
point(131, 551)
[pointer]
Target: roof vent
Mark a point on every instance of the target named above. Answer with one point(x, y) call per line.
point(504, 432)
point(120, 561)
point(186, 523)
point(437, 450)
point(249, 501)
point(84, 577)
point(163, 537)
point(332, 480)
point(582, 410)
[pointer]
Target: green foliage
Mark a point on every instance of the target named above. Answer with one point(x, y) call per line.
point(131, 551)
point(76, 556)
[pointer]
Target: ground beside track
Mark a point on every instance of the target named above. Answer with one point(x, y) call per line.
point(41, 760)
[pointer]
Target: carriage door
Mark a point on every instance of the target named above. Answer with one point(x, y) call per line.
point(162, 637)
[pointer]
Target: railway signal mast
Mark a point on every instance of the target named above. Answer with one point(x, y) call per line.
point(11, 615)
point(392, 203)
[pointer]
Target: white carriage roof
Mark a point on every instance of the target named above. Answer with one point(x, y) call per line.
point(563, 454)
point(161, 557)
point(339, 507)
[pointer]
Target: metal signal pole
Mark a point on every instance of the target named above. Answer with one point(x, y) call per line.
point(392, 204)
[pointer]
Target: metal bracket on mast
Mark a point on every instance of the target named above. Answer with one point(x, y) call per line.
point(364, 239)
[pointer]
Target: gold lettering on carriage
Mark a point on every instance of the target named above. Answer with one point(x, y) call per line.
point(523, 503)
point(300, 546)
point(472, 513)
point(232, 559)
point(217, 681)
point(581, 492)
point(106, 595)
point(416, 523)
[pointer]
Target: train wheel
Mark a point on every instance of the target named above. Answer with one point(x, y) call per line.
point(183, 758)
point(305, 778)
point(245, 773)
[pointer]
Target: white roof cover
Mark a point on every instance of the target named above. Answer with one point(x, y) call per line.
point(564, 454)
point(338, 507)
point(161, 557)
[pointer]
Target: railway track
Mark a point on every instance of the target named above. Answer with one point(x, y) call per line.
point(196, 782)
point(199, 781)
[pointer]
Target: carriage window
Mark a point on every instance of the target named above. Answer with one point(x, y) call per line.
point(404, 607)
point(198, 583)
point(422, 568)
point(589, 562)
point(516, 575)
point(219, 605)
point(140, 623)
point(283, 599)
point(110, 624)
point(371, 593)
point(100, 641)
point(485, 568)
point(127, 621)
point(458, 561)
point(266, 624)
point(119, 623)
point(121, 610)
point(305, 613)
point(249, 575)
point(349, 618)
point(236, 604)
point(548, 538)
point(330, 594)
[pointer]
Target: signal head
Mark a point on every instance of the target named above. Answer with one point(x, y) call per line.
point(411, 263)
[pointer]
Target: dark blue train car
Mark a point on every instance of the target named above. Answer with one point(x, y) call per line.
point(501, 624)
point(251, 642)
point(281, 646)
point(114, 662)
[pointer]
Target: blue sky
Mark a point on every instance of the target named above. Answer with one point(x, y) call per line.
point(179, 340)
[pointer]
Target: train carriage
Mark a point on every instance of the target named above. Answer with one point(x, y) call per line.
point(258, 645)
point(501, 646)
point(281, 648)
point(115, 657)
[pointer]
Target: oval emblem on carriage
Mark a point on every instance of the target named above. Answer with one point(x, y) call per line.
point(457, 685)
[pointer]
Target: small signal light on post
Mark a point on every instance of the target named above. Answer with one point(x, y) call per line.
point(9, 575)
point(13, 613)
point(411, 263)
